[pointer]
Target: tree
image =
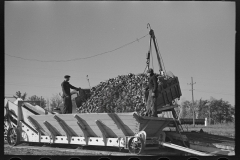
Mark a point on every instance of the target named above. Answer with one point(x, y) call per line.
point(19, 95)
point(186, 109)
point(55, 101)
point(42, 102)
point(221, 111)
point(203, 109)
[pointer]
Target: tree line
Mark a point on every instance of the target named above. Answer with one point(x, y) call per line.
point(217, 110)
point(47, 104)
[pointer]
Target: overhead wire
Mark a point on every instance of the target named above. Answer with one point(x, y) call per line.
point(77, 71)
point(213, 92)
point(42, 86)
point(75, 59)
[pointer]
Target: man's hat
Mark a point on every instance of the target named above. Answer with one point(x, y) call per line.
point(67, 76)
point(150, 70)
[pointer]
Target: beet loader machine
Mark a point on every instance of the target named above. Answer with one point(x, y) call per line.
point(25, 123)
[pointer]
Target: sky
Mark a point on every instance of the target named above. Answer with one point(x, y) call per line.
point(52, 39)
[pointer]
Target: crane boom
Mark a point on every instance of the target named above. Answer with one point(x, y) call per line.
point(151, 33)
point(157, 52)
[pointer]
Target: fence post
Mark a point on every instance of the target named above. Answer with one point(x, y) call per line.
point(206, 121)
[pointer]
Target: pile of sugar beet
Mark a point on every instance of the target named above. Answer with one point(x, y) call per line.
point(125, 93)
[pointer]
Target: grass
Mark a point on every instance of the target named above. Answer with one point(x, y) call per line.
point(227, 129)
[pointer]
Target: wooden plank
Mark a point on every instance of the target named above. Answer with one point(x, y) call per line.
point(107, 122)
point(98, 133)
point(44, 128)
point(104, 133)
point(129, 124)
point(88, 116)
point(94, 131)
point(83, 128)
point(119, 124)
point(56, 126)
point(37, 126)
point(52, 129)
point(67, 129)
point(93, 127)
point(43, 117)
point(80, 121)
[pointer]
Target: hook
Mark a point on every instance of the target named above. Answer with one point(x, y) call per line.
point(149, 26)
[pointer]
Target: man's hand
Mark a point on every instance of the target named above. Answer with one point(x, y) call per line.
point(153, 94)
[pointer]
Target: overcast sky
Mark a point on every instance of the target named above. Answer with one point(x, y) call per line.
point(196, 39)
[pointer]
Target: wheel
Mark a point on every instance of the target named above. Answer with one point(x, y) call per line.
point(13, 136)
point(5, 113)
point(6, 126)
point(136, 145)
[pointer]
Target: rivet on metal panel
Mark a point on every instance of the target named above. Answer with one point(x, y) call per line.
point(90, 140)
point(110, 141)
point(117, 141)
point(41, 138)
point(72, 139)
point(61, 138)
point(97, 140)
point(27, 129)
point(56, 138)
point(78, 139)
point(46, 138)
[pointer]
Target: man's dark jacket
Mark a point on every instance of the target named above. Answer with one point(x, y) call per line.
point(152, 83)
point(66, 88)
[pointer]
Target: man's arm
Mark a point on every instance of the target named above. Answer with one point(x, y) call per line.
point(72, 87)
point(63, 89)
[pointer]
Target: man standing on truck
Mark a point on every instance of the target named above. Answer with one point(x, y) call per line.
point(152, 95)
point(67, 101)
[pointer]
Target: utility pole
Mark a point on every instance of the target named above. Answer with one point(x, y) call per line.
point(48, 105)
point(88, 82)
point(193, 101)
point(41, 101)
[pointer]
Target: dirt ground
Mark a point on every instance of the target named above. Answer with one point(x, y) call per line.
point(26, 149)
